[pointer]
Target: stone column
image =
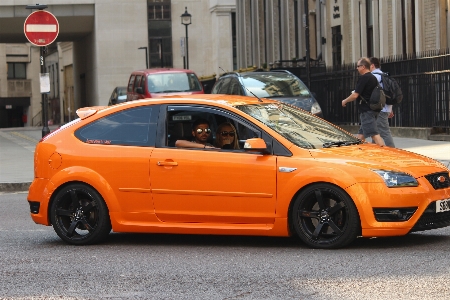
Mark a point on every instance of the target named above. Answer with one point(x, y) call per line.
point(384, 28)
point(397, 36)
point(221, 35)
point(418, 26)
point(376, 28)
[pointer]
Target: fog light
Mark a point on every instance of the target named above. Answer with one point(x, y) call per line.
point(34, 207)
point(394, 214)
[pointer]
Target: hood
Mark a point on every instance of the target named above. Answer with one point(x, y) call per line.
point(372, 156)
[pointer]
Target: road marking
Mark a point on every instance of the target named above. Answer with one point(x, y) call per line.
point(20, 139)
point(24, 136)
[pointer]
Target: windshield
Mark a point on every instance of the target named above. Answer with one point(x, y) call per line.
point(299, 127)
point(173, 82)
point(275, 85)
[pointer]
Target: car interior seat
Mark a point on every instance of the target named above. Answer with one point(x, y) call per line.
point(179, 131)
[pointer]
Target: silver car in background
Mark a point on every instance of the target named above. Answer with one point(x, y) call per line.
point(280, 85)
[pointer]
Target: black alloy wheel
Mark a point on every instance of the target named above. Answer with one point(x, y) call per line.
point(79, 215)
point(324, 216)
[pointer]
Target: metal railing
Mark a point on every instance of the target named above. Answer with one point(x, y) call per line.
point(37, 119)
point(424, 79)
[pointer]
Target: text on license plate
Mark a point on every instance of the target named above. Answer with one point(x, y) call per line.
point(443, 205)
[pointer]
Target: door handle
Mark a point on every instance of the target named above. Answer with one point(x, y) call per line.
point(167, 163)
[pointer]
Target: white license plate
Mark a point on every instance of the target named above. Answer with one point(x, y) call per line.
point(443, 205)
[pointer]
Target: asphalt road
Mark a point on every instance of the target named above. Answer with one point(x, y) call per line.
point(36, 264)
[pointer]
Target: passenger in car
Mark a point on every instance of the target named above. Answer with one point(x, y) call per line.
point(201, 132)
point(226, 137)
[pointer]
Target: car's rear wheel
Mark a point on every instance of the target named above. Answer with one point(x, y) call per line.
point(324, 216)
point(79, 215)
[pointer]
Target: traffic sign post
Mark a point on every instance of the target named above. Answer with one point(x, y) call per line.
point(41, 29)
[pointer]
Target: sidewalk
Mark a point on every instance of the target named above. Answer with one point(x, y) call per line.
point(17, 153)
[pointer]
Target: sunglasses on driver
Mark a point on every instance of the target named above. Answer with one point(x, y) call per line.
point(200, 130)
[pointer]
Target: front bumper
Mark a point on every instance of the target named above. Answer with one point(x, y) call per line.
point(432, 220)
point(421, 201)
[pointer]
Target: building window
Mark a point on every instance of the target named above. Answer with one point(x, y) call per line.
point(17, 71)
point(336, 45)
point(160, 33)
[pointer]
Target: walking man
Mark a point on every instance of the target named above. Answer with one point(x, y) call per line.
point(364, 87)
point(386, 113)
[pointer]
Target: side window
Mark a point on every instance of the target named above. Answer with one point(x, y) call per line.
point(132, 127)
point(137, 83)
point(227, 131)
point(131, 84)
point(216, 87)
point(235, 87)
point(224, 89)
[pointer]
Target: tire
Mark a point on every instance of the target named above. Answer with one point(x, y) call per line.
point(79, 215)
point(323, 216)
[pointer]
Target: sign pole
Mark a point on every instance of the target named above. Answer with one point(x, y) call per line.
point(45, 129)
point(41, 29)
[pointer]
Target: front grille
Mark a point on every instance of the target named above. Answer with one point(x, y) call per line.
point(439, 180)
point(432, 220)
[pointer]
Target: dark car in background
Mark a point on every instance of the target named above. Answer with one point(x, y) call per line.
point(119, 95)
point(280, 85)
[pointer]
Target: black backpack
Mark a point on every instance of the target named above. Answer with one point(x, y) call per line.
point(391, 89)
point(377, 99)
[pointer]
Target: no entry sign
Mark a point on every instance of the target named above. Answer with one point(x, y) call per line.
point(41, 28)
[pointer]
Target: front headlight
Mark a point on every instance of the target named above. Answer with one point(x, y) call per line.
point(396, 179)
point(315, 108)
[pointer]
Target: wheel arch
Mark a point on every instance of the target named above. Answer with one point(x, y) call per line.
point(299, 191)
point(323, 184)
point(82, 175)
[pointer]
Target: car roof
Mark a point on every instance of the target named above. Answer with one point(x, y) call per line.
point(257, 73)
point(215, 99)
point(161, 70)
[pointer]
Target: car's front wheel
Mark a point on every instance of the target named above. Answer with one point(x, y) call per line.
point(79, 215)
point(324, 216)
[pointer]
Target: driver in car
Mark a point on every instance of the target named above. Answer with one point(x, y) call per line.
point(200, 133)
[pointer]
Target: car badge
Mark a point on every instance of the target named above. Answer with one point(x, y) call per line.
point(442, 179)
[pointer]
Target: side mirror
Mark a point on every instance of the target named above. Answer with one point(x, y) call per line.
point(255, 145)
point(139, 90)
point(113, 101)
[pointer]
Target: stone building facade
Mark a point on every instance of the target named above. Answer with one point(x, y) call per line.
point(99, 40)
point(340, 31)
point(98, 47)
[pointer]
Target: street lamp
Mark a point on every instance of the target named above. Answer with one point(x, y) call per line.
point(186, 21)
point(146, 56)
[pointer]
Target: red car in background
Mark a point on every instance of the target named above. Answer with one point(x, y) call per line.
point(152, 83)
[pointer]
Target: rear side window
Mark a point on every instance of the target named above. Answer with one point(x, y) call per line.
point(224, 88)
point(138, 81)
point(131, 83)
point(131, 127)
point(216, 87)
point(235, 87)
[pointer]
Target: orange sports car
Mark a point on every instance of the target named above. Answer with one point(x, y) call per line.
point(287, 172)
